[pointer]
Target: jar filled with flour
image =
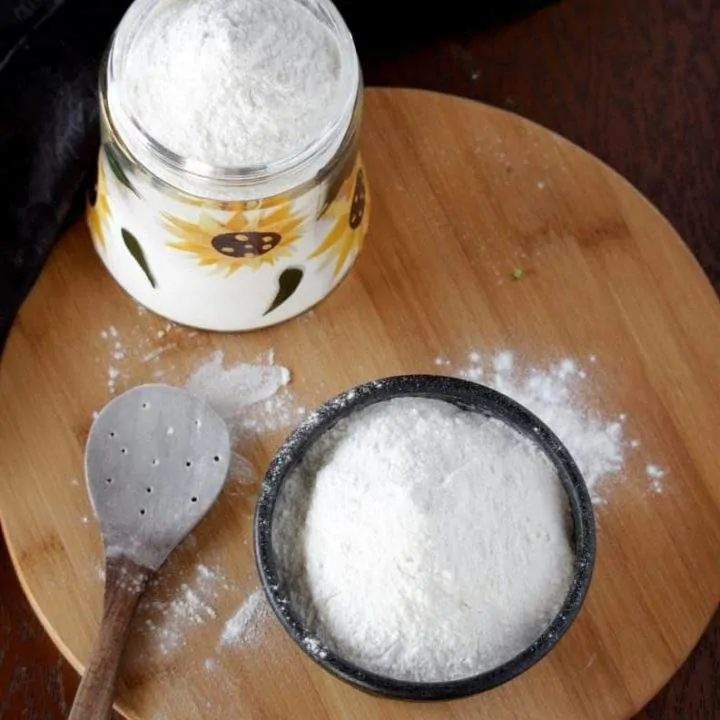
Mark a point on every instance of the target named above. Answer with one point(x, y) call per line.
point(230, 194)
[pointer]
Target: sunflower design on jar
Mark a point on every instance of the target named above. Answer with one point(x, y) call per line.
point(98, 208)
point(350, 214)
point(248, 238)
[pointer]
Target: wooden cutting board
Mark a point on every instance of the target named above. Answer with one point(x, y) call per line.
point(463, 195)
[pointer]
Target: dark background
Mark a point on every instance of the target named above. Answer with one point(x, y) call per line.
point(635, 82)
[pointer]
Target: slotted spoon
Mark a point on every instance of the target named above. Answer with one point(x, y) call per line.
point(156, 459)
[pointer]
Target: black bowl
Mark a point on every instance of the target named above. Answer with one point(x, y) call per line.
point(467, 396)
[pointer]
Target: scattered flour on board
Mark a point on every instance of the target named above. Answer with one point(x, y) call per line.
point(556, 395)
point(232, 390)
point(137, 346)
point(246, 627)
point(655, 474)
point(167, 621)
point(253, 398)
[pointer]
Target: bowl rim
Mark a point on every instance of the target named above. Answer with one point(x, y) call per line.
point(469, 396)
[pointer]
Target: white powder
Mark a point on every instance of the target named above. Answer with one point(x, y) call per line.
point(251, 398)
point(168, 621)
point(234, 82)
point(244, 628)
point(556, 394)
point(424, 542)
point(655, 474)
point(596, 444)
point(232, 389)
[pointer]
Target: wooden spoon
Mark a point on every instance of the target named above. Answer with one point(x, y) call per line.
point(155, 461)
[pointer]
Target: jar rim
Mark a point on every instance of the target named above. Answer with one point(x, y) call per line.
point(169, 164)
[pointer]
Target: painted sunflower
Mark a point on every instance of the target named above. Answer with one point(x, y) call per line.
point(98, 208)
point(246, 239)
point(351, 214)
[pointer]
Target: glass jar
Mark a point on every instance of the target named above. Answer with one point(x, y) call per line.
point(225, 248)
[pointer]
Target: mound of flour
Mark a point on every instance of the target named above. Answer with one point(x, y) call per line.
point(233, 82)
point(423, 542)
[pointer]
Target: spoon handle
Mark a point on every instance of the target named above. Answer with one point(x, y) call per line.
point(125, 582)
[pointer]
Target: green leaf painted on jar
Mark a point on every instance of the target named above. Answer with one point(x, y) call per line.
point(117, 169)
point(135, 249)
point(288, 283)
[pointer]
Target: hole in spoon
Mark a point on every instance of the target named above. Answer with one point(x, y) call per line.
point(216, 458)
point(108, 481)
point(148, 490)
point(142, 511)
point(111, 434)
point(155, 462)
point(123, 451)
point(188, 463)
point(194, 499)
point(145, 405)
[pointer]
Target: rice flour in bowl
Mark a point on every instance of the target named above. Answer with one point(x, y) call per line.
point(424, 537)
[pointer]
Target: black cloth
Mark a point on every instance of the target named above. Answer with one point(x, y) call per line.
point(50, 53)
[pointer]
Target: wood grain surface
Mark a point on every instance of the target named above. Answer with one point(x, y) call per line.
point(463, 194)
point(635, 82)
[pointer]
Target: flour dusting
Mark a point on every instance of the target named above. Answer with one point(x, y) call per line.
point(655, 474)
point(245, 626)
point(231, 390)
point(168, 621)
point(556, 394)
point(252, 398)
point(133, 348)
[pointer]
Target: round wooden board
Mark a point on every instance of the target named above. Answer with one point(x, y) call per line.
point(463, 194)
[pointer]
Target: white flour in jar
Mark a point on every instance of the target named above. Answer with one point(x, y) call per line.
point(423, 542)
point(233, 83)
